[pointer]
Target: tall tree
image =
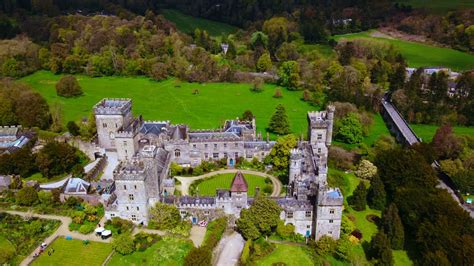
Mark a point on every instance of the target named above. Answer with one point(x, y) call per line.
point(358, 200)
point(260, 219)
point(289, 74)
point(376, 196)
point(279, 122)
point(393, 227)
point(380, 249)
point(445, 143)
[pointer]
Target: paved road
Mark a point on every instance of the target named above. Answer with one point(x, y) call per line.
point(62, 231)
point(186, 181)
point(229, 250)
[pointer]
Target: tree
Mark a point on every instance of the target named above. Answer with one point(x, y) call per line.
point(277, 30)
point(260, 219)
point(247, 115)
point(68, 86)
point(306, 96)
point(164, 216)
point(326, 245)
point(159, 71)
point(366, 170)
point(73, 128)
point(264, 63)
point(279, 156)
point(56, 158)
point(26, 196)
point(257, 84)
point(289, 75)
point(445, 143)
point(376, 196)
point(285, 231)
point(8, 251)
point(380, 249)
point(393, 227)
point(397, 79)
point(123, 244)
point(198, 257)
point(279, 123)
point(350, 129)
point(358, 200)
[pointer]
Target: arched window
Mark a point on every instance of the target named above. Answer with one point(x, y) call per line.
point(177, 153)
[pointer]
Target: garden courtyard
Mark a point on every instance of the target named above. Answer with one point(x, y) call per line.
point(74, 252)
point(208, 186)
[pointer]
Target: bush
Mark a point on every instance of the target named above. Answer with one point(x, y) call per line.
point(123, 244)
point(86, 228)
point(325, 246)
point(73, 128)
point(119, 226)
point(68, 86)
point(285, 231)
point(164, 217)
point(214, 233)
point(26, 196)
point(246, 252)
point(201, 256)
point(143, 240)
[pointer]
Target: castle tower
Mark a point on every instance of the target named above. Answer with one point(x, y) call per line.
point(320, 126)
point(111, 115)
point(238, 191)
point(296, 160)
point(328, 212)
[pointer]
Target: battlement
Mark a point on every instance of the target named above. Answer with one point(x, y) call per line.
point(131, 167)
point(8, 131)
point(113, 106)
point(296, 154)
point(331, 197)
point(124, 134)
point(321, 119)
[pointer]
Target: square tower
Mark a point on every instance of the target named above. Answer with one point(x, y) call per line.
point(328, 212)
point(111, 115)
point(320, 127)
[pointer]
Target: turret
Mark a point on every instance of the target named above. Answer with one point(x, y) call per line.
point(111, 115)
point(296, 159)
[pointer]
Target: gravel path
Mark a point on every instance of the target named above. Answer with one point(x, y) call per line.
point(187, 181)
point(229, 250)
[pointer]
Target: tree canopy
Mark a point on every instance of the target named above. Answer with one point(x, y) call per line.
point(279, 122)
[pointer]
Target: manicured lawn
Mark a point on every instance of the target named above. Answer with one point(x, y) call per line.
point(418, 55)
point(188, 24)
point(290, 255)
point(74, 252)
point(377, 129)
point(208, 187)
point(439, 6)
point(426, 132)
point(215, 103)
point(168, 251)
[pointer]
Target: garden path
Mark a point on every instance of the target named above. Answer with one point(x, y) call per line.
point(229, 250)
point(187, 181)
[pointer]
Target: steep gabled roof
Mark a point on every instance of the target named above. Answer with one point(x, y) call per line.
point(239, 184)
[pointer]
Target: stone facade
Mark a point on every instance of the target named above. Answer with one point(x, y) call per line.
point(146, 149)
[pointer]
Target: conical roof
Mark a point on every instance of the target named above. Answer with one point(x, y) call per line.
point(239, 184)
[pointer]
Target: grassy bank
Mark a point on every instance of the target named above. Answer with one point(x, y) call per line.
point(215, 102)
point(418, 55)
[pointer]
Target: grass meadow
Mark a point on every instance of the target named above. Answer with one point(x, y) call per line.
point(168, 251)
point(287, 255)
point(419, 55)
point(426, 132)
point(188, 24)
point(215, 103)
point(208, 186)
point(74, 252)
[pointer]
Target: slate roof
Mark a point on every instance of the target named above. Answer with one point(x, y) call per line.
point(239, 184)
point(153, 128)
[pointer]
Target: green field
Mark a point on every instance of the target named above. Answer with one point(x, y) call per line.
point(215, 103)
point(289, 255)
point(208, 186)
point(426, 132)
point(168, 251)
point(418, 55)
point(439, 6)
point(188, 24)
point(74, 252)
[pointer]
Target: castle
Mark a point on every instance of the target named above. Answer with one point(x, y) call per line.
point(146, 149)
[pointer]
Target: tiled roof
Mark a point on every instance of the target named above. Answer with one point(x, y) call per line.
point(239, 184)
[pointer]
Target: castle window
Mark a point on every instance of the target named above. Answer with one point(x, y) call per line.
point(331, 221)
point(236, 144)
point(308, 226)
point(331, 211)
point(127, 208)
point(206, 212)
point(183, 213)
point(134, 217)
point(308, 214)
point(215, 155)
point(225, 154)
point(104, 125)
point(177, 153)
point(135, 186)
point(225, 145)
point(116, 125)
point(319, 150)
point(236, 155)
point(330, 232)
point(205, 145)
point(125, 187)
point(289, 215)
point(206, 155)
point(138, 208)
point(194, 146)
point(112, 215)
point(215, 145)
point(320, 136)
point(125, 143)
point(130, 196)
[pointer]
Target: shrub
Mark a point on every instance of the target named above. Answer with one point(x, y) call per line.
point(164, 217)
point(257, 85)
point(119, 226)
point(325, 246)
point(246, 252)
point(278, 93)
point(366, 170)
point(285, 231)
point(123, 244)
point(143, 240)
point(214, 233)
point(86, 228)
point(68, 86)
point(73, 128)
point(26, 196)
point(201, 256)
